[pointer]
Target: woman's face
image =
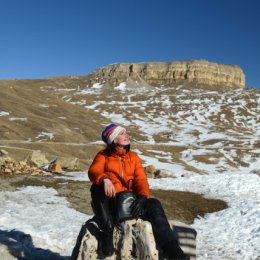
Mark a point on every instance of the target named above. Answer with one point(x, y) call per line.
point(122, 139)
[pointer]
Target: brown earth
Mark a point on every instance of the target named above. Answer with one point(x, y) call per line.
point(182, 206)
point(75, 112)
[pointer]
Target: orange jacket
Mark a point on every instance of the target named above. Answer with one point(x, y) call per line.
point(124, 169)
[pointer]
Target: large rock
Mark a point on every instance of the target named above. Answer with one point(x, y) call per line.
point(150, 171)
point(69, 163)
point(3, 153)
point(135, 240)
point(37, 158)
point(164, 174)
point(4, 157)
point(198, 72)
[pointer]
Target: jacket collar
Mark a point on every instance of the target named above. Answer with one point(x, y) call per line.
point(120, 152)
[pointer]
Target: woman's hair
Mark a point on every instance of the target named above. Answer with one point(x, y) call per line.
point(110, 148)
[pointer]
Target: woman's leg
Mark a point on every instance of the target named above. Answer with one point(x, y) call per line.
point(163, 233)
point(102, 207)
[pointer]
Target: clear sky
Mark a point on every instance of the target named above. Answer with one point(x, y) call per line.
point(42, 38)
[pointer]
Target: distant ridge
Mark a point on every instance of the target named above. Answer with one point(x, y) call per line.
point(196, 72)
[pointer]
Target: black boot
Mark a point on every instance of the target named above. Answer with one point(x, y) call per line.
point(171, 250)
point(102, 207)
point(163, 234)
point(107, 245)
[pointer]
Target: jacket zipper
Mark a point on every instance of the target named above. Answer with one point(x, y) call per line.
point(122, 169)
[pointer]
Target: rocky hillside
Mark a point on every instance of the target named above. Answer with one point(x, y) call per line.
point(195, 73)
point(198, 130)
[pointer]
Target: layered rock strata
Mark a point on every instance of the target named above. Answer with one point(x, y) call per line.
point(198, 72)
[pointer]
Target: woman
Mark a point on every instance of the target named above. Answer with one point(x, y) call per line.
point(117, 169)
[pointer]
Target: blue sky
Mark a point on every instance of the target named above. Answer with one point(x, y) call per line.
point(42, 38)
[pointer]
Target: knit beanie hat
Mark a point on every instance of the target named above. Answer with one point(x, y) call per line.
point(110, 133)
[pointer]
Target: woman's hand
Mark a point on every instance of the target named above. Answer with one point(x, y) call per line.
point(109, 188)
point(137, 207)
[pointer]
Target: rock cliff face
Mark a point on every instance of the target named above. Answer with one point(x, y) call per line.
point(198, 72)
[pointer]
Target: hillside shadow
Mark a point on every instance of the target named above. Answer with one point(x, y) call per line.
point(20, 245)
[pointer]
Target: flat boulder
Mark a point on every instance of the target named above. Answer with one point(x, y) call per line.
point(150, 171)
point(134, 240)
point(36, 158)
point(3, 153)
point(69, 163)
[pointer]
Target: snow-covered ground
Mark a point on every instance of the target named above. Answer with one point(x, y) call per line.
point(233, 233)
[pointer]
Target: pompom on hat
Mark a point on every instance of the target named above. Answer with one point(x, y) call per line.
point(110, 133)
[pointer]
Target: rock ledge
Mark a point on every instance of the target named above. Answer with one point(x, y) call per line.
point(197, 72)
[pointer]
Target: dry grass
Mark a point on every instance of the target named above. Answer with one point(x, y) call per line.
point(44, 105)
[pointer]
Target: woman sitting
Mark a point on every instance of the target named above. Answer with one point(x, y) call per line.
point(118, 169)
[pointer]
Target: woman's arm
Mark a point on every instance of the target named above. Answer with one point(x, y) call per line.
point(141, 186)
point(96, 172)
point(98, 176)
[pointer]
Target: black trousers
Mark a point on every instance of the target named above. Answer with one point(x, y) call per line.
point(103, 208)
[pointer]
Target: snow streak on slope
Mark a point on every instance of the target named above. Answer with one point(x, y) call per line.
point(201, 129)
